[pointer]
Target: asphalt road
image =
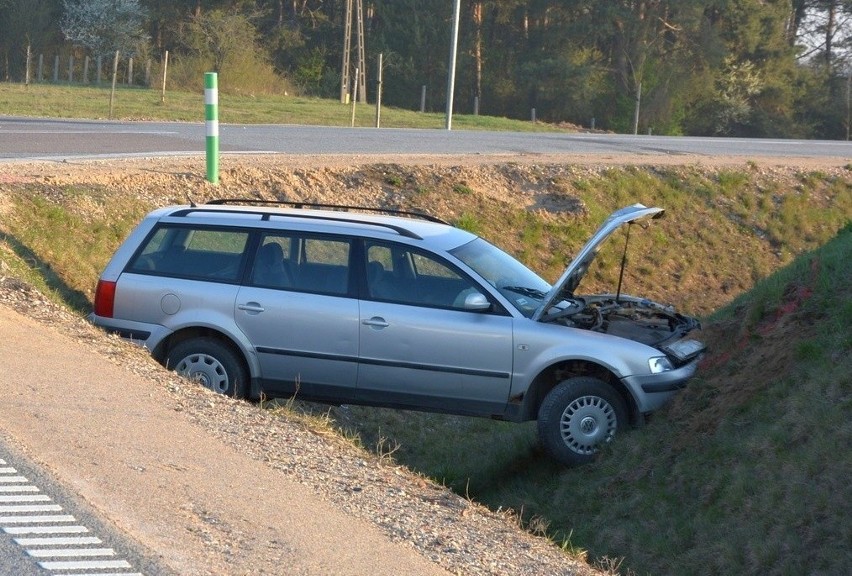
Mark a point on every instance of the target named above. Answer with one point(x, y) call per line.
point(29, 138)
point(45, 528)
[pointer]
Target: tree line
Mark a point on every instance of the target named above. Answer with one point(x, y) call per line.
point(772, 68)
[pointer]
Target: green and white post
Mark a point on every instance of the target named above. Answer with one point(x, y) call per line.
point(211, 116)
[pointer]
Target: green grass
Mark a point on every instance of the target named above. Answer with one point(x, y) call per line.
point(78, 101)
point(747, 471)
point(62, 247)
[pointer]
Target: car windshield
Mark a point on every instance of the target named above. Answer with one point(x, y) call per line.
point(520, 285)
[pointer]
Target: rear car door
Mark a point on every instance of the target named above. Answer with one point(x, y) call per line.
point(298, 310)
point(420, 347)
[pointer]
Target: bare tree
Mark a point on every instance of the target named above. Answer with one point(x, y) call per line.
point(104, 26)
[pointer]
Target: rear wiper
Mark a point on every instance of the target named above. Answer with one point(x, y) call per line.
point(531, 292)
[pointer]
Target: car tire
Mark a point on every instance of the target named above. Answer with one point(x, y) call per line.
point(577, 417)
point(210, 362)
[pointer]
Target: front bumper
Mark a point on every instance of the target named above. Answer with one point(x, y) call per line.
point(651, 391)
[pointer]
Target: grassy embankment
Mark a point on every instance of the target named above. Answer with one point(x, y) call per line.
point(747, 472)
point(77, 101)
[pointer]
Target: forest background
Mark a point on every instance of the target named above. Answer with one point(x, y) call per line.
point(750, 68)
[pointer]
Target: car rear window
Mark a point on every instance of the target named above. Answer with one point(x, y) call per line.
point(205, 253)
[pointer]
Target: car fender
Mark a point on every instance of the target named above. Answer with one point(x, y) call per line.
point(219, 323)
point(538, 347)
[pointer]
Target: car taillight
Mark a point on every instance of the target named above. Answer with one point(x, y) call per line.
point(104, 299)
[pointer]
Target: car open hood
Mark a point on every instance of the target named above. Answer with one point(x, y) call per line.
point(570, 279)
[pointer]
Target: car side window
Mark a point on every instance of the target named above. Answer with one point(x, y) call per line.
point(321, 265)
point(292, 261)
point(397, 273)
point(203, 253)
point(272, 267)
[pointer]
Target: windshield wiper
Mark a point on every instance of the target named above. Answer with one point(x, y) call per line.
point(531, 292)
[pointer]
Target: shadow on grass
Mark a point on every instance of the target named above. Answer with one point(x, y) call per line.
point(71, 297)
point(531, 465)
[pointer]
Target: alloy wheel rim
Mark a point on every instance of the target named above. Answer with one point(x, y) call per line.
point(586, 423)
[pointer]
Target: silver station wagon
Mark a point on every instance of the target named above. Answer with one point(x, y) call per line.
point(347, 306)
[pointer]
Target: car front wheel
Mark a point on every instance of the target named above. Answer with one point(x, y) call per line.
point(211, 363)
point(577, 417)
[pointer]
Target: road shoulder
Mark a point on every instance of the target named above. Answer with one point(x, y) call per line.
point(204, 507)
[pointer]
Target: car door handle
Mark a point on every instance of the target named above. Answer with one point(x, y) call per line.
point(375, 322)
point(251, 307)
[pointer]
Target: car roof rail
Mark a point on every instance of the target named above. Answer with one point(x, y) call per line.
point(340, 207)
point(265, 215)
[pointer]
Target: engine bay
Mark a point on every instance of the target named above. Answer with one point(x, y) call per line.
point(629, 317)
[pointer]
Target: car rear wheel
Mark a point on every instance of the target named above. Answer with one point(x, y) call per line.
point(211, 363)
point(577, 417)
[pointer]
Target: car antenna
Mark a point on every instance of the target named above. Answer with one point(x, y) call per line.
point(623, 264)
point(192, 203)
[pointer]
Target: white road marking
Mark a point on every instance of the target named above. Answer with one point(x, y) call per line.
point(15, 498)
point(12, 479)
point(100, 574)
point(84, 565)
point(60, 541)
point(43, 528)
point(70, 552)
point(87, 132)
point(19, 489)
point(30, 508)
point(16, 530)
point(35, 519)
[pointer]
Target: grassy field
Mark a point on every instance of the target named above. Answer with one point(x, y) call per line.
point(746, 473)
point(78, 101)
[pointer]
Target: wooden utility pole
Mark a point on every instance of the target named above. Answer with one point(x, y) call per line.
point(165, 72)
point(114, 75)
point(379, 93)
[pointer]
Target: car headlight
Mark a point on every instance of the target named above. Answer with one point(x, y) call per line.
point(659, 364)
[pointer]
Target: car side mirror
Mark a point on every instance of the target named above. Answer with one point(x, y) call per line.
point(476, 301)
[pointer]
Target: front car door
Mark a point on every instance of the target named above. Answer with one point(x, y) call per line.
point(420, 346)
